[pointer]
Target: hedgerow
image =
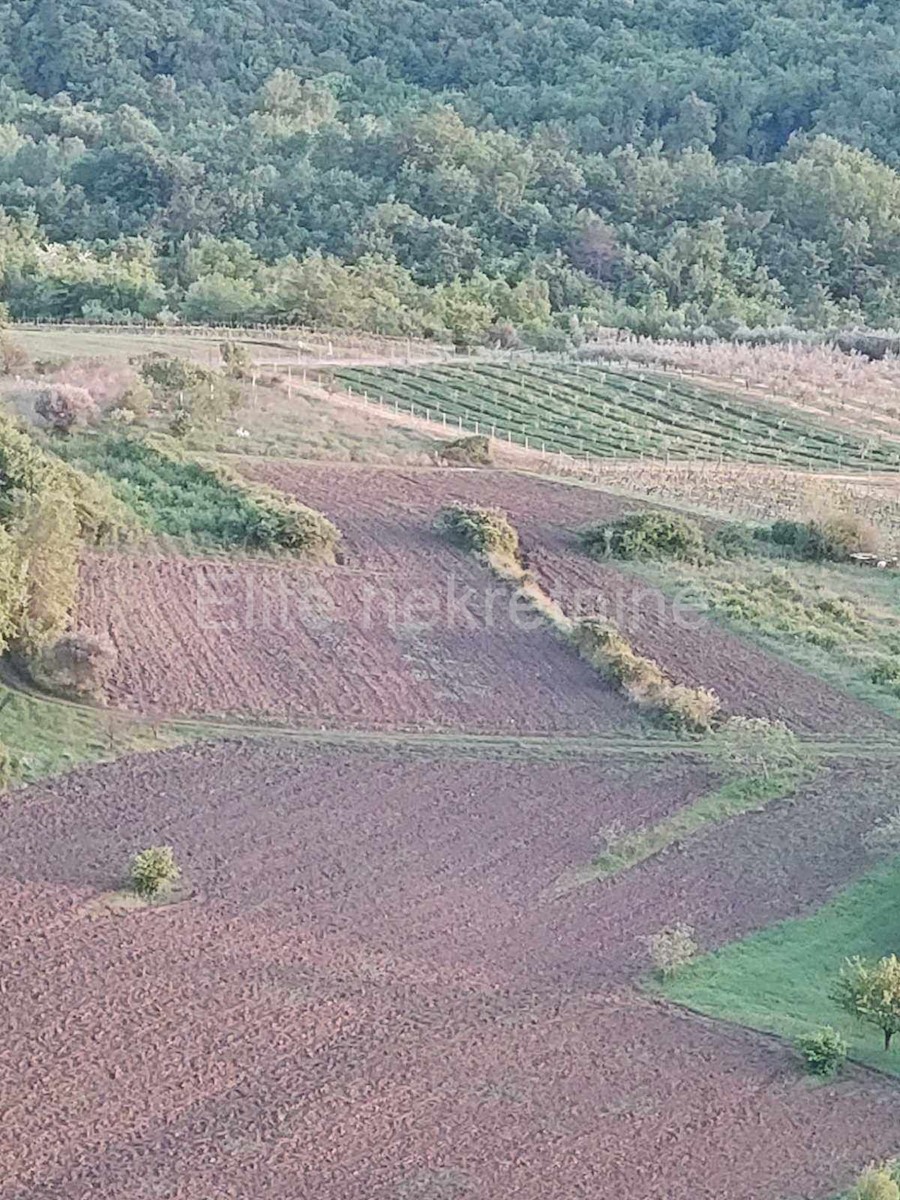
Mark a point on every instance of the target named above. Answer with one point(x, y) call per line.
point(643, 680)
point(179, 496)
point(832, 538)
point(488, 531)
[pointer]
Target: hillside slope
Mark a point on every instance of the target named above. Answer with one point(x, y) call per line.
point(477, 171)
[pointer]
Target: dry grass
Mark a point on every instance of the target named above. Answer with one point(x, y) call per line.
point(743, 490)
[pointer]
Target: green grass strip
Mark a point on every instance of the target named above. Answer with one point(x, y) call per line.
point(46, 738)
point(778, 981)
point(732, 799)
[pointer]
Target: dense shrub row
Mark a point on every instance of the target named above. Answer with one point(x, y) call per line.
point(655, 534)
point(182, 497)
point(643, 680)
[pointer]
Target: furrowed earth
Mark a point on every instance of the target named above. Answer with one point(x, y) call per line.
point(368, 994)
point(411, 633)
point(387, 972)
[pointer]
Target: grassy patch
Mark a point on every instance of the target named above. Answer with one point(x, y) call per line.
point(837, 621)
point(778, 980)
point(48, 739)
point(732, 799)
point(176, 496)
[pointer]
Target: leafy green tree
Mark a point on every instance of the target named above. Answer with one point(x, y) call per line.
point(870, 991)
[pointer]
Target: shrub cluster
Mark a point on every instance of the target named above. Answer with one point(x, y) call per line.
point(643, 680)
point(189, 393)
point(63, 405)
point(877, 1183)
point(823, 1052)
point(154, 871)
point(830, 539)
point(485, 531)
point(180, 496)
point(77, 665)
point(472, 451)
point(650, 534)
point(672, 948)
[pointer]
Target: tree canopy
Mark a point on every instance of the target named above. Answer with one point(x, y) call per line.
point(457, 167)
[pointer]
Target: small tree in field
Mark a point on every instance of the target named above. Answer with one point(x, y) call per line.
point(64, 406)
point(823, 1052)
point(870, 991)
point(672, 948)
point(154, 871)
point(876, 1183)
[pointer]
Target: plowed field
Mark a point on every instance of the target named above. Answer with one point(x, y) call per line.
point(385, 515)
point(370, 995)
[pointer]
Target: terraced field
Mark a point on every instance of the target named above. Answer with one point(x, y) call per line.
point(586, 410)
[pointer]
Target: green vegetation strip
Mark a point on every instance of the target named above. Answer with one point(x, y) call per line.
point(45, 738)
point(779, 980)
point(733, 799)
point(198, 502)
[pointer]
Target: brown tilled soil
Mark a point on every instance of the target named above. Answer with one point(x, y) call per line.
point(410, 633)
point(370, 994)
point(431, 644)
point(385, 515)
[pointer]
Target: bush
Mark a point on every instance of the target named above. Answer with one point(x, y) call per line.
point(672, 948)
point(693, 709)
point(13, 356)
point(63, 406)
point(191, 394)
point(755, 746)
point(887, 672)
point(876, 1183)
point(154, 871)
point(643, 680)
point(483, 530)
point(7, 766)
point(77, 664)
point(25, 467)
point(137, 399)
point(734, 541)
point(884, 836)
point(236, 359)
point(45, 530)
point(646, 535)
point(824, 1052)
point(474, 451)
point(831, 539)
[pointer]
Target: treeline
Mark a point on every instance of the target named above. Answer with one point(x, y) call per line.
point(461, 171)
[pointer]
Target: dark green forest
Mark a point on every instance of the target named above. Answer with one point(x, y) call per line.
point(509, 172)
